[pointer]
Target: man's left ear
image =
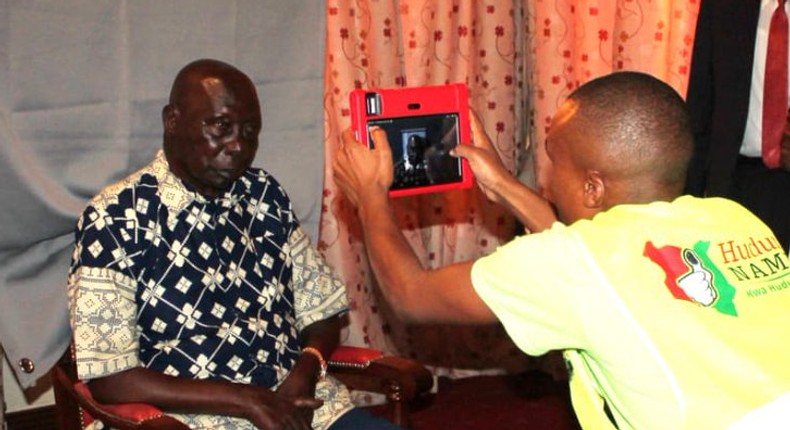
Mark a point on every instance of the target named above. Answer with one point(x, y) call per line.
point(594, 189)
point(169, 117)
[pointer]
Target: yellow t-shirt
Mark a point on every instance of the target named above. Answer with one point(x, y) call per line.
point(681, 310)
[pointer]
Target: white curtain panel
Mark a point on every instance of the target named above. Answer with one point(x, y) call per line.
point(82, 86)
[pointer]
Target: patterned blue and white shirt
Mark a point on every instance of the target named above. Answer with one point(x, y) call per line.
point(165, 278)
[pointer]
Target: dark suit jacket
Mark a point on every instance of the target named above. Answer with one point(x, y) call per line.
point(718, 94)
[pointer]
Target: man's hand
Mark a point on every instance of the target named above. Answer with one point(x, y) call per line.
point(270, 410)
point(500, 186)
point(490, 174)
point(363, 173)
point(300, 383)
point(263, 407)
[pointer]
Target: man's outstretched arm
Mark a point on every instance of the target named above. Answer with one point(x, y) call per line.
point(415, 293)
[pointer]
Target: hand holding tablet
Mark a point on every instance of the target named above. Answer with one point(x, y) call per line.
point(422, 125)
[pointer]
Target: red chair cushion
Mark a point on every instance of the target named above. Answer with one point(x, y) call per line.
point(132, 411)
point(356, 355)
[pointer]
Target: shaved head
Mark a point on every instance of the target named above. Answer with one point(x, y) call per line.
point(205, 76)
point(631, 127)
point(621, 138)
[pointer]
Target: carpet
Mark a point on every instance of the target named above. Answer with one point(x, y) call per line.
point(531, 401)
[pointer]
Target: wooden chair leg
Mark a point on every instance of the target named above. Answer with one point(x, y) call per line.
point(399, 408)
point(67, 410)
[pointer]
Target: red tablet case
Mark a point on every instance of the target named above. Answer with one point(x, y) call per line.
point(422, 101)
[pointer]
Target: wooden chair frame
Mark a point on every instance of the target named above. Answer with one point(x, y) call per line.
point(401, 381)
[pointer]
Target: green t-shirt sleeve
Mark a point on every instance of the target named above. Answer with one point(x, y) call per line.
point(536, 285)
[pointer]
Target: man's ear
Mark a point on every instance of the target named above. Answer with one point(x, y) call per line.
point(594, 189)
point(169, 118)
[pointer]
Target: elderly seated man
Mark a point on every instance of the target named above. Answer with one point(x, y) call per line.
point(193, 286)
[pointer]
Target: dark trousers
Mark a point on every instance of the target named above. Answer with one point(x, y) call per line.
point(765, 192)
point(361, 419)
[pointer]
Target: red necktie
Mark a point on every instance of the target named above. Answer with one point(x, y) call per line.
point(775, 90)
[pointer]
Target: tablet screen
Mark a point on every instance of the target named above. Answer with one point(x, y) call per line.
point(420, 149)
point(422, 124)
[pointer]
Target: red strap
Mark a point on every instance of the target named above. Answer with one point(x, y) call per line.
point(775, 90)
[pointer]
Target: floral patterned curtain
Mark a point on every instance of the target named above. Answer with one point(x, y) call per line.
point(520, 59)
point(390, 43)
point(574, 41)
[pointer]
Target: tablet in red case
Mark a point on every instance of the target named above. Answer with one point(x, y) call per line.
point(422, 125)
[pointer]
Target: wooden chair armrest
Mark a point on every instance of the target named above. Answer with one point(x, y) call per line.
point(126, 416)
point(370, 370)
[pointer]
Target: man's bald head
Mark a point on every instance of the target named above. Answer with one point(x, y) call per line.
point(195, 79)
point(621, 138)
